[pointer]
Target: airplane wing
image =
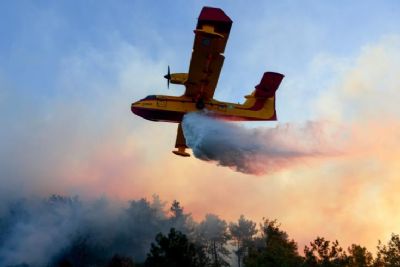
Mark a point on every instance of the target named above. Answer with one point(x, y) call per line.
point(211, 36)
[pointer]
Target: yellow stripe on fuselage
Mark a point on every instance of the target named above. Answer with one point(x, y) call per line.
point(231, 111)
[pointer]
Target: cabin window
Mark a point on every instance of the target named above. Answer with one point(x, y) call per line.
point(162, 103)
point(222, 107)
point(150, 97)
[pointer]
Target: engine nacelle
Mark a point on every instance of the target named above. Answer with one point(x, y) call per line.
point(178, 78)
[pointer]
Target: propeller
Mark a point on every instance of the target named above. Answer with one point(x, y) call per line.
point(168, 77)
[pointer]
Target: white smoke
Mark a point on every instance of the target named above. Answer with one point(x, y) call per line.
point(258, 150)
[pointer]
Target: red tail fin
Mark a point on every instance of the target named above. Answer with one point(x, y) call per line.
point(268, 85)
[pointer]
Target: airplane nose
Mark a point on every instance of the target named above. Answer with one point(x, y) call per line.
point(134, 109)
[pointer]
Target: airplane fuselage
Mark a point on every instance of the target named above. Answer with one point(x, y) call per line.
point(173, 108)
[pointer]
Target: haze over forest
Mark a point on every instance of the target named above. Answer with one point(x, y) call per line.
point(65, 231)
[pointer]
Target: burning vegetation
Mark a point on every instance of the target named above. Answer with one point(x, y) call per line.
point(65, 231)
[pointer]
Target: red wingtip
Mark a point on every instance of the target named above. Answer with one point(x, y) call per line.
point(216, 17)
point(214, 14)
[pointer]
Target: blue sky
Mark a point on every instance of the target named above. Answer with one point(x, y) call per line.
point(285, 36)
point(95, 57)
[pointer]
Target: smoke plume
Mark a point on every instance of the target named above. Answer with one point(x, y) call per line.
point(43, 232)
point(257, 150)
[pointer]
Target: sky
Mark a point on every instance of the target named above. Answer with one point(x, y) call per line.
point(69, 71)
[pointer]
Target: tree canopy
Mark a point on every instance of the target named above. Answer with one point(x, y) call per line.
point(67, 232)
point(174, 250)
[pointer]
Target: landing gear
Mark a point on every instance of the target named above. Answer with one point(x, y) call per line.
point(181, 152)
point(180, 143)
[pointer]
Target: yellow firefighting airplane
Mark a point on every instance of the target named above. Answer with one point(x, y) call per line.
point(211, 36)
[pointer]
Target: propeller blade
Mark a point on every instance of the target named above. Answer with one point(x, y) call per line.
point(168, 76)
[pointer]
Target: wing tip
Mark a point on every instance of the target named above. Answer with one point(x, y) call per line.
point(214, 14)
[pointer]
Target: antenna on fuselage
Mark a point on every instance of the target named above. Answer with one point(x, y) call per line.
point(168, 77)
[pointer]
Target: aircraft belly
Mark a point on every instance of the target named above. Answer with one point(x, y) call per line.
point(155, 114)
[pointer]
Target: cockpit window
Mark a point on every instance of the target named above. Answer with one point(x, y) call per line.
point(150, 97)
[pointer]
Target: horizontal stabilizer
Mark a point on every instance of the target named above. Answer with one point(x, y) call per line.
point(268, 85)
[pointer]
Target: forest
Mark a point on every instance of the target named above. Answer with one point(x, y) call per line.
point(63, 231)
